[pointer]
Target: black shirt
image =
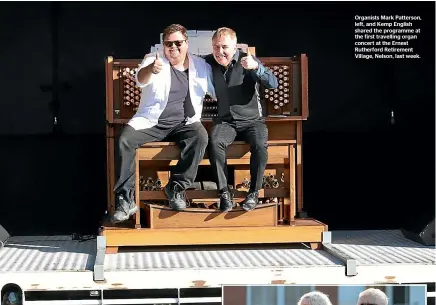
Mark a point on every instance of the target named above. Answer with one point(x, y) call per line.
point(179, 104)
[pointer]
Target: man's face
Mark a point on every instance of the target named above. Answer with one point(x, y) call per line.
point(175, 46)
point(224, 47)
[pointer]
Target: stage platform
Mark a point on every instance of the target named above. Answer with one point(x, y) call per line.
point(349, 257)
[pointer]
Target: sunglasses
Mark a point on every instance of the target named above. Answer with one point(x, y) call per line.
point(169, 44)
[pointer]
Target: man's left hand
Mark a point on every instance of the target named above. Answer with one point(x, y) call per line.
point(248, 62)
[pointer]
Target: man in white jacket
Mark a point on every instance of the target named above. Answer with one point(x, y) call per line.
point(173, 84)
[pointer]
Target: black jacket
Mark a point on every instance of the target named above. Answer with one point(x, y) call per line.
point(237, 89)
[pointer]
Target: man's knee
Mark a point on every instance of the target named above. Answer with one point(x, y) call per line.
point(125, 141)
point(217, 142)
point(217, 139)
point(202, 137)
point(259, 145)
point(260, 141)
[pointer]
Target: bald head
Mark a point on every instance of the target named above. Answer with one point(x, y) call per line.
point(314, 298)
point(372, 296)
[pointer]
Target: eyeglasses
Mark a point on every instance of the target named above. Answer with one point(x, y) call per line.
point(169, 44)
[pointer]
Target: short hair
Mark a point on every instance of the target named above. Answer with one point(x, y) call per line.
point(173, 28)
point(372, 296)
point(314, 298)
point(224, 31)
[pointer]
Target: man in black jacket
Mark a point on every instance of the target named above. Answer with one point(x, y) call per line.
point(237, 77)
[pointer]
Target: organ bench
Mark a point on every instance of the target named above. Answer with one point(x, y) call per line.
point(278, 219)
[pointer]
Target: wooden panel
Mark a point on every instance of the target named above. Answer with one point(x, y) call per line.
point(299, 166)
point(304, 86)
point(282, 130)
point(112, 162)
point(138, 213)
point(239, 152)
point(163, 217)
point(110, 168)
point(270, 142)
point(307, 230)
point(117, 102)
point(290, 202)
point(109, 89)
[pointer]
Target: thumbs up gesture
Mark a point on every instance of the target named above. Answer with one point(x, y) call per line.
point(248, 62)
point(157, 65)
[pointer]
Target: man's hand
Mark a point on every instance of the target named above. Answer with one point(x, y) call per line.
point(157, 65)
point(248, 62)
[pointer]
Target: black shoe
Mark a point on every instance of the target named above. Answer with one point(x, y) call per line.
point(251, 201)
point(226, 203)
point(124, 209)
point(176, 196)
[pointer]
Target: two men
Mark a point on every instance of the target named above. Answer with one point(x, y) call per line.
point(370, 296)
point(237, 77)
point(173, 84)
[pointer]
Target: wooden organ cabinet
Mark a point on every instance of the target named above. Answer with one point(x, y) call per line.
point(278, 219)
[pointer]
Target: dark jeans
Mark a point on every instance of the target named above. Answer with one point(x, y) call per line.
point(223, 134)
point(192, 140)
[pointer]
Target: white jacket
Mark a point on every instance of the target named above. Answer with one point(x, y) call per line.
point(154, 96)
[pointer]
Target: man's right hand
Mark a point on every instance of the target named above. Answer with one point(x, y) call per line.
point(152, 67)
point(157, 65)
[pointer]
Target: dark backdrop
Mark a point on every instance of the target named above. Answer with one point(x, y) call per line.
point(360, 171)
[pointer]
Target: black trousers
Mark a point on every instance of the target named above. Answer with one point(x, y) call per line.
point(192, 140)
point(223, 134)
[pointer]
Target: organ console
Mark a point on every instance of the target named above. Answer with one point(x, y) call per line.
point(279, 219)
point(289, 100)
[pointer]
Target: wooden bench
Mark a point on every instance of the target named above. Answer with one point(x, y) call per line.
point(280, 152)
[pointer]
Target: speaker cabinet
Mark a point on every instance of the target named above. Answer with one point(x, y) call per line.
point(422, 233)
point(4, 235)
